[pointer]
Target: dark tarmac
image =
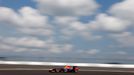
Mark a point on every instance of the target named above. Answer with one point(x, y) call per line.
point(43, 72)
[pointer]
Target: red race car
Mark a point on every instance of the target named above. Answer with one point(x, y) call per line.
point(74, 69)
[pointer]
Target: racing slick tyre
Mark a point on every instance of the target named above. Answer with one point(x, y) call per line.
point(61, 70)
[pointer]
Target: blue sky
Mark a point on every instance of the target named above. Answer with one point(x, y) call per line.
point(88, 28)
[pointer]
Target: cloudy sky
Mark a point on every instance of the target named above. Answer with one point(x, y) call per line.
point(70, 28)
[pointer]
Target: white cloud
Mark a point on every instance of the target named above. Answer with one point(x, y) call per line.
point(89, 52)
point(7, 15)
point(121, 53)
point(6, 47)
point(67, 7)
point(27, 20)
point(123, 10)
point(32, 44)
point(119, 18)
point(64, 20)
point(110, 23)
point(93, 51)
point(65, 24)
point(78, 26)
point(24, 41)
point(37, 31)
point(71, 26)
point(125, 39)
point(60, 48)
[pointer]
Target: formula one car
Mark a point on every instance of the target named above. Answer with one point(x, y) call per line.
point(74, 69)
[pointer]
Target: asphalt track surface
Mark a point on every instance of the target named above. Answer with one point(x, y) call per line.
point(43, 70)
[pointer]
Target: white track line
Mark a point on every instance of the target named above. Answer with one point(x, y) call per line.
point(71, 64)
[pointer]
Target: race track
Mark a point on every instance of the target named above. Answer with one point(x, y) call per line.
point(44, 72)
point(26, 69)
